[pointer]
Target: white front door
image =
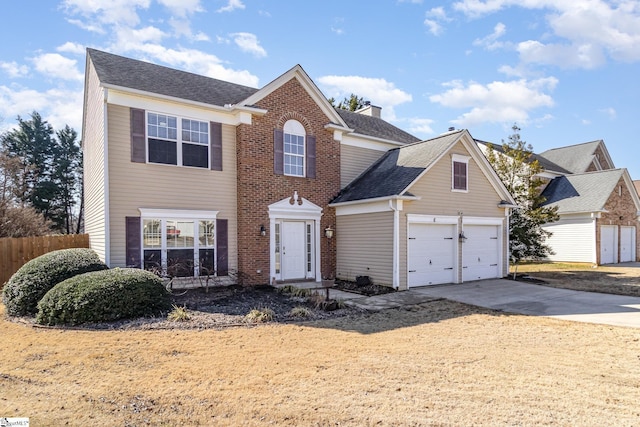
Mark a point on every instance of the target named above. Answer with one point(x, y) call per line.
point(627, 243)
point(293, 250)
point(480, 252)
point(431, 254)
point(608, 244)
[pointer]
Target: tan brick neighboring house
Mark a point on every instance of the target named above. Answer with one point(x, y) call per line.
point(598, 206)
point(191, 175)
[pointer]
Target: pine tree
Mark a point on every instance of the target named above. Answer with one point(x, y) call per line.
point(518, 169)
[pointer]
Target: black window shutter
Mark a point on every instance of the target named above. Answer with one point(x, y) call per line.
point(138, 144)
point(216, 146)
point(311, 156)
point(278, 151)
point(222, 247)
point(133, 242)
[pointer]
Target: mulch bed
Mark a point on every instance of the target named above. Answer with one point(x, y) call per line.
point(368, 289)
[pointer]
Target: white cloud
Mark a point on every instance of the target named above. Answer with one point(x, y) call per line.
point(491, 41)
point(105, 12)
point(195, 61)
point(70, 47)
point(231, 6)
point(54, 65)
point(434, 19)
point(379, 91)
point(59, 107)
point(496, 102)
point(249, 43)
point(182, 8)
point(586, 32)
point(13, 69)
point(420, 126)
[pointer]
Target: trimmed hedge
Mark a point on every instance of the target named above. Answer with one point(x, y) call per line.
point(103, 296)
point(34, 279)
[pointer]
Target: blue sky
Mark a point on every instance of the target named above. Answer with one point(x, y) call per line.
point(565, 71)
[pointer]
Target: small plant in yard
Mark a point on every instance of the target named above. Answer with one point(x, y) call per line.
point(295, 291)
point(260, 315)
point(179, 314)
point(34, 279)
point(300, 312)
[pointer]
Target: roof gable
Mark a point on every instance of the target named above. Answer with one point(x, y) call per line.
point(305, 81)
point(576, 158)
point(398, 169)
point(586, 192)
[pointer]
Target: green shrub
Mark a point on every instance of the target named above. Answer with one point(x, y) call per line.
point(102, 296)
point(34, 279)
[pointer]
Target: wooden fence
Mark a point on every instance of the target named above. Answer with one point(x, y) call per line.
point(15, 252)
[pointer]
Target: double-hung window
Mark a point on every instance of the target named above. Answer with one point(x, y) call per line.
point(177, 141)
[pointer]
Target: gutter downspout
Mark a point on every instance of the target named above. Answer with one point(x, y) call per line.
point(396, 241)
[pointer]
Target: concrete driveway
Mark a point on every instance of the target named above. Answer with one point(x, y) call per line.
point(523, 298)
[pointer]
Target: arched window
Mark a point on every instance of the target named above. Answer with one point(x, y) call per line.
point(294, 148)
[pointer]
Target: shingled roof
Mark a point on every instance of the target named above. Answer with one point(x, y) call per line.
point(397, 169)
point(144, 76)
point(376, 127)
point(545, 163)
point(585, 192)
point(574, 158)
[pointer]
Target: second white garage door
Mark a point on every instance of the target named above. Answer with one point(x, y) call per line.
point(627, 244)
point(431, 254)
point(481, 252)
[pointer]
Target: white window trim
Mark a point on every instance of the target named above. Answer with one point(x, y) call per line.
point(178, 140)
point(165, 215)
point(459, 158)
point(295, 128)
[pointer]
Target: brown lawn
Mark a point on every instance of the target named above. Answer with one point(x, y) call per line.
point(612, 279)
point(438, 364)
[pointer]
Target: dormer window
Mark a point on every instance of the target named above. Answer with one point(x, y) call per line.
point(459, 173)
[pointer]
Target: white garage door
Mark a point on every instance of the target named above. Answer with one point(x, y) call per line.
point(627, 244)
point(481, 252)
point(608, 244)
point(431, 254)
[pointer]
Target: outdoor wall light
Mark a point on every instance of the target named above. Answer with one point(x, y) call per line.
point(462, 237)
point(263, 232)
point(328, 232)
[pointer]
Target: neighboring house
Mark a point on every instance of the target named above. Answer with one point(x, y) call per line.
point(195, 176)
point(597, 204)
point(637, 185)
point(425, 213)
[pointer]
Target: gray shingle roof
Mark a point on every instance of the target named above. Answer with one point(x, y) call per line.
point(585, 192)
point(145, 76)
point(545, 163)
point(373, 126)
point(396, 169)
point(574, 158)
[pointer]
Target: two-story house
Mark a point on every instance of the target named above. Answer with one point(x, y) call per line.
point(193, 176)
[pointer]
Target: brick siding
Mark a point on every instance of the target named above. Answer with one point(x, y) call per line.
point(621, 211)
point(259, 186)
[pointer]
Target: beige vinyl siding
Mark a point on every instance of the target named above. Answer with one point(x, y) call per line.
point(140, 185)
point(354, 161)
point(436, 198)
point(365, 247)
point(93, 149)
